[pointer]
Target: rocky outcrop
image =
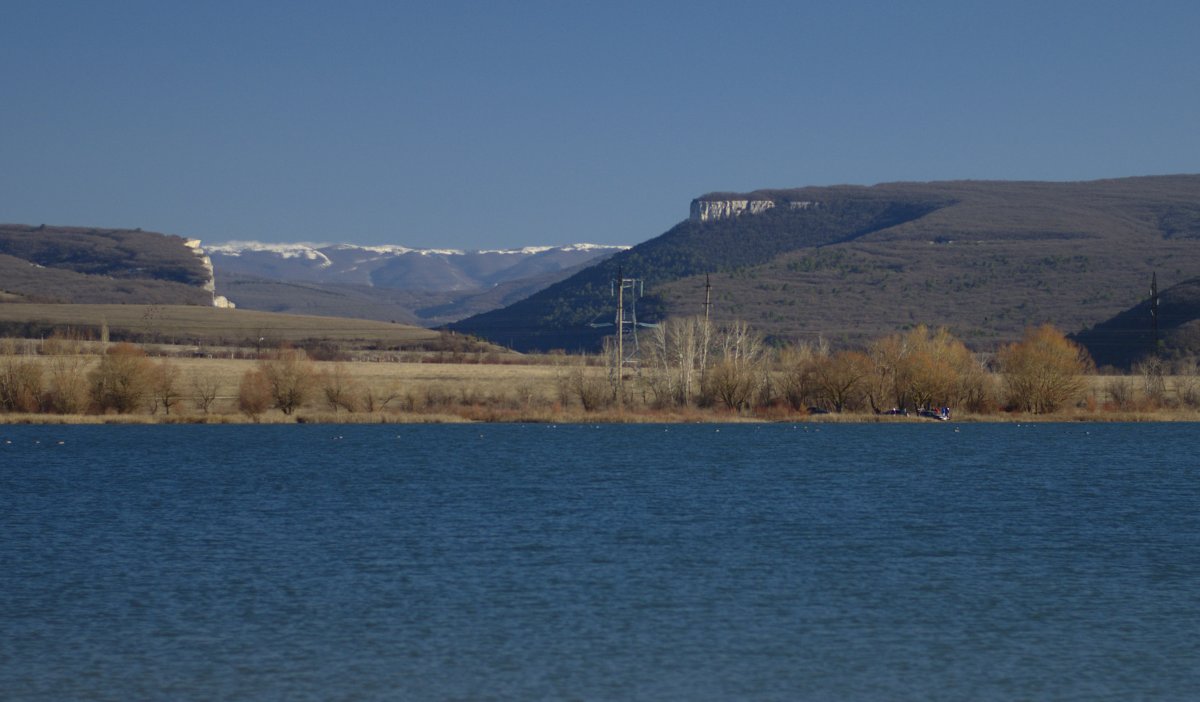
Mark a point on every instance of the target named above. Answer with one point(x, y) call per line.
point(711, 210)
point(210, 285)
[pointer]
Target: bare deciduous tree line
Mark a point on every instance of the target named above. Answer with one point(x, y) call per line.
point(688, 362)
point(683, 363)
point(288, 380)
point(125, 380)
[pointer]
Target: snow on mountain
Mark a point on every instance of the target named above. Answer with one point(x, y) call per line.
point(397, 267)
point(298, 250)
point(312, 250)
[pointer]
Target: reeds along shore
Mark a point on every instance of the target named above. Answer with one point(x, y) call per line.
point(58, 381)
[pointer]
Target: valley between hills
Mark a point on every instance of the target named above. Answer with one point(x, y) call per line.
point(821, 270)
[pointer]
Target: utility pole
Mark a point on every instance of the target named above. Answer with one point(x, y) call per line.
point(704, 337)
point(1154, 307)
point(620, 324)
point(707, 297)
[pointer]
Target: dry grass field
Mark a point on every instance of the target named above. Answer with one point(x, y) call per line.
point(538, 390)
point(189, 324)
point(417, 385)
point(398, 388)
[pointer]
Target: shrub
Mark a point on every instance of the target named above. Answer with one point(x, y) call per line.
point(593, 392)
point(68, 387)
point(20, 385)
point(339, 389)
point(376, 398)
point(122, 380)
point(730, 384)
point(1120, 391)
point(254, 393)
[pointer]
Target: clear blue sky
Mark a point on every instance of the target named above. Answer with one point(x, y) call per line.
point(485, 124)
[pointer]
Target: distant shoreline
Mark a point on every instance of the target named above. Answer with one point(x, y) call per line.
point(605, 417)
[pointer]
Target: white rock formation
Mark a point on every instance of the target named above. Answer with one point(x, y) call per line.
point(210, 285)
point(712, 210)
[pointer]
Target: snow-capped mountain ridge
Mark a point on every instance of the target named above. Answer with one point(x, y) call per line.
point(397, 267)
point(312, 250)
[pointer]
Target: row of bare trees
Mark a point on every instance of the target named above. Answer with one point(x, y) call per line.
point(289, 379)
point(684, 362)
point(687, 361)
point(125, 380)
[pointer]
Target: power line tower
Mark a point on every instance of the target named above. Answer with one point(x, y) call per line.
point(626, 291)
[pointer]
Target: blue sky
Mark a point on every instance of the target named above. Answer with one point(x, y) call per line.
point(485, 124)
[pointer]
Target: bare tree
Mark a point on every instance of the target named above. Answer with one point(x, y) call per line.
point(798, 381)
point(1043, 371)
point(840, 378)
point(164, 386)
point(923, 368)
point(672, 356)
point(376, 398)
point(339, 389)
point(67, 386)
point(204, 391)
point(1154, 383)
point(736, 374)
point(289, 375)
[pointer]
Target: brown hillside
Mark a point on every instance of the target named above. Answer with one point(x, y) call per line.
point(1000, 257)
point(92, 265)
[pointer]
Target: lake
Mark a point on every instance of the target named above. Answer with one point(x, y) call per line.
point(649, 562)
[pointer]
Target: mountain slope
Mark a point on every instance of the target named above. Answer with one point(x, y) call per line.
point(849, 263)
point(90, 265)
point(1128, 337)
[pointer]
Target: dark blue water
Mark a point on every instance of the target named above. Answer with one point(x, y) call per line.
point(620, 562)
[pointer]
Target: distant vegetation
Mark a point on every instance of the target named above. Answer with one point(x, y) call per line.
point(687, 371)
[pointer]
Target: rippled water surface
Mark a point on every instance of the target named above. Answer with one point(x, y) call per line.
point(924, 561)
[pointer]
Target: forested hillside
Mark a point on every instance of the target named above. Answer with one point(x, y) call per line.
point(984, 258)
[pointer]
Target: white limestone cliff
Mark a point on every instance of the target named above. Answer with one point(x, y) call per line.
point(210, 285)
point(712, 210)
